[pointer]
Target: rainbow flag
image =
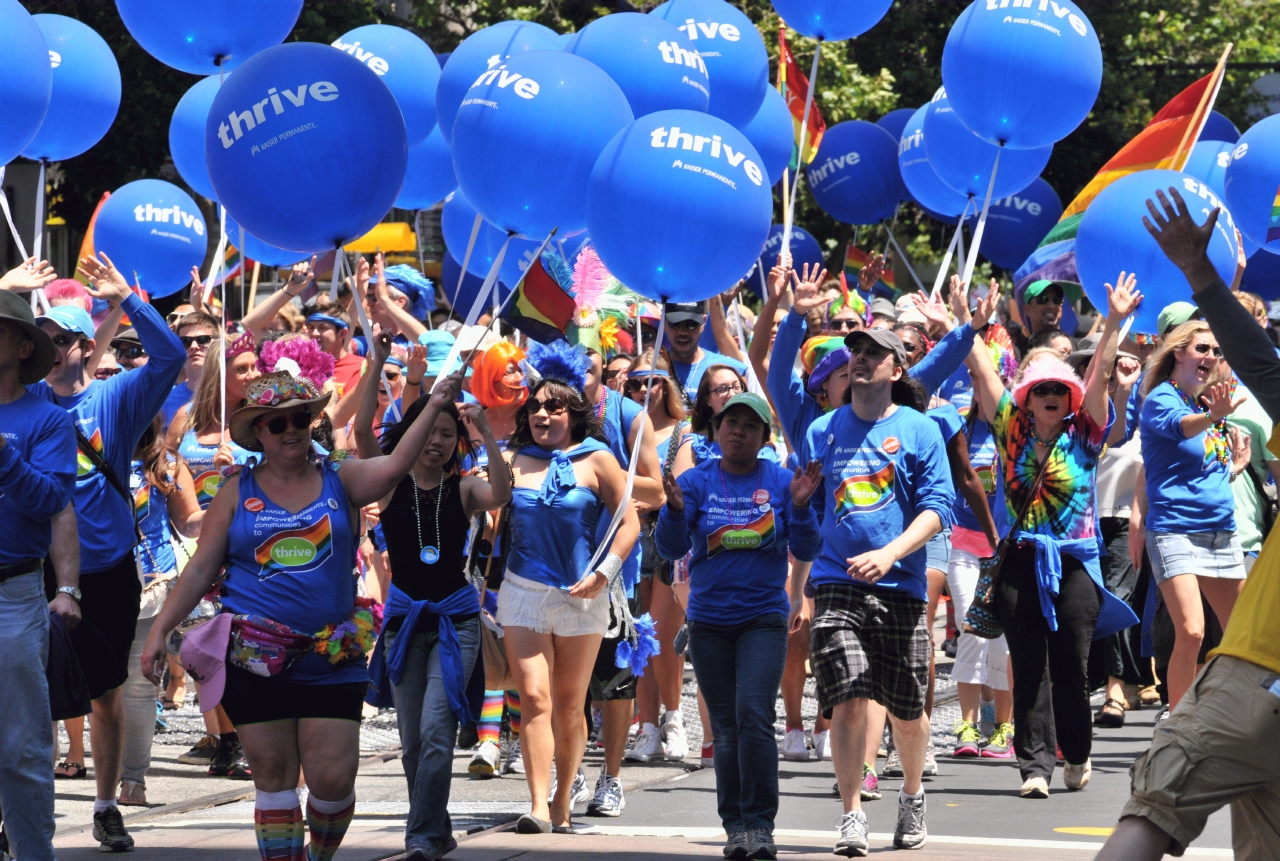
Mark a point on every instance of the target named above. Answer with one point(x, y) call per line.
point(855, 258)
point(540, 307)
point(794, 87)
point(86, 244)
point(1273, 229)
point(1164, 143)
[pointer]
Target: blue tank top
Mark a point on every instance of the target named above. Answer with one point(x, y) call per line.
point(553, 534)
point(295, 568)
point(151, 507)
point(199, 458)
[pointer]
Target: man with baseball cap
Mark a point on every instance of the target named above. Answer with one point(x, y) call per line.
point(1041, 310)
point(684, 329)
point(109, 417)
point(37, 473)
point(888, 491)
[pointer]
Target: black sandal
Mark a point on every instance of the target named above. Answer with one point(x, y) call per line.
point(77, 770)
point(1109, 719)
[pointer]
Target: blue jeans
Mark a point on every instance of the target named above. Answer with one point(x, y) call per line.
point(26, 727)
point(428, 731)
point(739, 669)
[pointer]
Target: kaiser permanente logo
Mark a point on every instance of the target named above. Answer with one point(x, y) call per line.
point(169, 215)
point(673, 138)
point(239, 122)
point(1059, 11)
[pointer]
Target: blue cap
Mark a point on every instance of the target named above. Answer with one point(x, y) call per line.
point(73, 318)
point(438, 344)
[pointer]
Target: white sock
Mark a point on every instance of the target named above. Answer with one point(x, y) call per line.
point(103, 804)
point(648, 727)
point(284, 800)
point(331, 807)
point(673, 717)
point(903, 795)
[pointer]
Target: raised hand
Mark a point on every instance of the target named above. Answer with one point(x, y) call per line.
point(28, 275)
point(675, 496)
point(986, 306)
point(362, 277)
point(105, 281)
point(382, 341)
point(1217, 400)
point(302, 272)
point(447, 390)
point(1241, 451)
point(777, 282)
point(871, 271)
point(806, 287)
point(934, 311)
point(958, 297)
point(1185, 243)
point(1123, 298)
point(474, 416)
point(416, 367)
point(805, 482)
point(1128, 370)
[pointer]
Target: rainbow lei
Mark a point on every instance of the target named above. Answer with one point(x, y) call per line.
point(354, 637)
point(1217, 444)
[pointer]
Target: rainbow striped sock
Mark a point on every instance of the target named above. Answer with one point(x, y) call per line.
point(328, 822)
point(513, 712)
point(489, 727)
point(280, 833)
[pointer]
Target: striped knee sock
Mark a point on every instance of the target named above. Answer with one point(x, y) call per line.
point(328, 822)
point(489, 727)
point(277, 822)
point(513, 712)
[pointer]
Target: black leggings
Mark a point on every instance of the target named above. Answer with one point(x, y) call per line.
point(1050, 685)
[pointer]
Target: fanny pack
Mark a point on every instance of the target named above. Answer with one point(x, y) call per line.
point(268, 648)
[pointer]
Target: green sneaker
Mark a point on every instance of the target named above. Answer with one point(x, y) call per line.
point(1000, 745)
point(968, 739)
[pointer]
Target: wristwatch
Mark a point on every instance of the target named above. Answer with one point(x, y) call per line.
point(73, 591)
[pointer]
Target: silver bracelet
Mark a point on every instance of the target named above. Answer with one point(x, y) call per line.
point(610, 567)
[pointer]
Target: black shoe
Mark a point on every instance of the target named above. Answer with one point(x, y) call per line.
point(109, 831)
point(468, 736)
point(238, 768)
point(949, 647)
point(220, 765)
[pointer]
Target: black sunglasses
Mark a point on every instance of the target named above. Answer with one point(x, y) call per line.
point(1046, 299)
point(1051, 390)
point(392, 376)
point(638, 384)
point(1205, 349)
point(131, 351)
point(188, 340)
point(848, 324)
point(280, 424)
point(64, 339)
point(609, 376)
point(685, 325)
point(553, 406)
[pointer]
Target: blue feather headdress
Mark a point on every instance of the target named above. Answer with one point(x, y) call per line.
point(557, 361)
point(412, 283)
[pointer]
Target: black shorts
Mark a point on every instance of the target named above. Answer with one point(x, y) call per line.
point(109, 606)
point(608, 680)
point(867, 643)
point(250, 698)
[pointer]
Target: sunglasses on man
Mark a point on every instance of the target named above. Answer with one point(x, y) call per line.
point(1046, 299)
point(201, 340)
point(279, 424)
point(684, 325)
point(127, 351)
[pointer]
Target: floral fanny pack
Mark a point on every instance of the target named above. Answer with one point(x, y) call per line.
point(268, 648)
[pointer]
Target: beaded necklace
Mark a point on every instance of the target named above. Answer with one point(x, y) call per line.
point(1216, 440)
point(604, 403)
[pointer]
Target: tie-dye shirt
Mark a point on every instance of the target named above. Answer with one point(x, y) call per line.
point(1065, 505)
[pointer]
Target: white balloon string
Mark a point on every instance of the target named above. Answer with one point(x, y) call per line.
point(982, 223)
point(38, 232)
point(960, 252)
point(215, 266)
point(789, 221)
point(38, 299)
point(477, 304)
point(753, 382)
point(1124, 330)
point(945, 267)
point(466, 260)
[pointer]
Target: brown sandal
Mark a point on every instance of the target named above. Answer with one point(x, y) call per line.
point(69, 770)
point(1111, 715)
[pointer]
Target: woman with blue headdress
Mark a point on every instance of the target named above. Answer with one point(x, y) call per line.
point(554, 603)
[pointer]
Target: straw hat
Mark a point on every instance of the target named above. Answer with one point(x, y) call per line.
point(271, 393)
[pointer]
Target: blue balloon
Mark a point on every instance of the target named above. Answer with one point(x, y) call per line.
point(153, 232)
point(678, 206)
point(1018, 222)
point(520, 253)
point(831, 20)
point(429, 175)
point(772, 132)
point(203, 36)
point(1251, 182)
point(527, 136)
point(86, 90)
point(1112, 238)
point(895, 121)
point(1262, 275)
point(854, 177)
point(1023, 77)
point(964, 161)
point(406, 65)
point(918, 175)
point(480, 52)
point(469, 289)
point(305, 146)
point(733, 50)
point(457, 217)
point(26, 80)
point(186, 135)
point(804, 249)
point(656, 66)
point(268, 255)
point(1219, 128)
point(1208, 163)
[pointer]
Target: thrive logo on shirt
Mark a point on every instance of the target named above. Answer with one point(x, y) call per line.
point(864, 492)
point(207, 484)
point(301, 549)
point(756, 535)
point(84, 466)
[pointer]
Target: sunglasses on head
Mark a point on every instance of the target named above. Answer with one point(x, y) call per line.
point(64, 339)
point(130, 351)
point(638, 384)
point(106, 373)
point(728, 388)
point(553, 406)
point(1051, 390)
point(202, 340)
point(848, 324)
point(1205, 349)
point(280, 424)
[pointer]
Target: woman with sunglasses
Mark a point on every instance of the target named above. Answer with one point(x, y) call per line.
point(553, 606)
point(739, 515)
point(290, 668)
point(1190, 522)
point(430, 601)
point(614, 375)
point(1050, 598)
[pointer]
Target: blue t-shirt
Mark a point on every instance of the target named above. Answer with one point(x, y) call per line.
point(878, 477)
point(796, 407)
point(739, 566)
point(113, 414)
point(151, 507)
point(179, 396)
point(1188, 489)
point(37, 474)
point(982, 457)
point(958, 389)
point(689, 374)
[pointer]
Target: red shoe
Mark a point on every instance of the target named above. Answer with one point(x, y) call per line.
point(709, 755)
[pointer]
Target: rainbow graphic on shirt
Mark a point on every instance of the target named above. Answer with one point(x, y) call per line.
point(207, 484)
point(142, 500)
point(296, 549)
point(756, 535)
point(863, 494)
point(1273, 230)
point(84, 466)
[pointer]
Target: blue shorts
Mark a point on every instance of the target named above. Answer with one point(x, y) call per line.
point(1205, 554)
point(939, 551)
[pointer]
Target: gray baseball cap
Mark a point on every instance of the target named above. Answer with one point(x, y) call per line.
point(885, 338)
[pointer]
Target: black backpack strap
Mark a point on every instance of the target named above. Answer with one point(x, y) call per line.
point(109, 474)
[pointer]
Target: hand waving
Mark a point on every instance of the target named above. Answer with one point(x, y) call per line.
point(29, 275)
point(806, 287)
point(871, 271)
point(1123, 298)
point(986, 306)
point(105, 281)
point(1185, 243)
point(804, 484)
point(1217, 399)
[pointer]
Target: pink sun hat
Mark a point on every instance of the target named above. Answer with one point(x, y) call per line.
point(204, 656)
point(1047, 369)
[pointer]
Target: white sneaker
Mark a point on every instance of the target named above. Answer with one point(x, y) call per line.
point(485, 762)
point(820, 745)
point(793, 747)
point(853, 835)
point(609, 799)
point(892, 765)
point(675, 743)
point(1076, 777)
point(930, 761)
point(647, 747)
point(578, 791)
point(514, 763)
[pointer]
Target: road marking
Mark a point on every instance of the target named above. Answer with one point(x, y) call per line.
point(1086, 830)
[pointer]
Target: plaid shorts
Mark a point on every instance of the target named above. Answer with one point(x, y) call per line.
point(868, 643)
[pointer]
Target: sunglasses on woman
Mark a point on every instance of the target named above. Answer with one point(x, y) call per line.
point(1204, 350)
point(62, 340)
point(638, 384)
point(1051, 390)
point(848, 324)
point(280, 424)
point(553, 406)
point(202, 340)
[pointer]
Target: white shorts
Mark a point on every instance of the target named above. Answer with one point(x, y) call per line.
point(978, 661)
point(524, 603)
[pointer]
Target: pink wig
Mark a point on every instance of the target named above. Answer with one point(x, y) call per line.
point(1046, 369)
point(315, 364)
point(71, 292)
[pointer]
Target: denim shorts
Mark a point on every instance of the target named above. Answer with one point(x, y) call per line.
point(524, 603)
point(939, 551)
point(1207, 554)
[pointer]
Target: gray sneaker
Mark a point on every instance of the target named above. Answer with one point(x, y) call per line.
point(579, 793)
point(853, 835)
point(910, 833)
point(608, 799)
point(892, 765)
point(513, 763)
point(930, 761)
point(736, 848)
point(760, 844)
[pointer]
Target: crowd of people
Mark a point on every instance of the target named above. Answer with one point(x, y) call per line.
point(518, 545)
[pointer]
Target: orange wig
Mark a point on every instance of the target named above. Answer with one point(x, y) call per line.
point(486, 378)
